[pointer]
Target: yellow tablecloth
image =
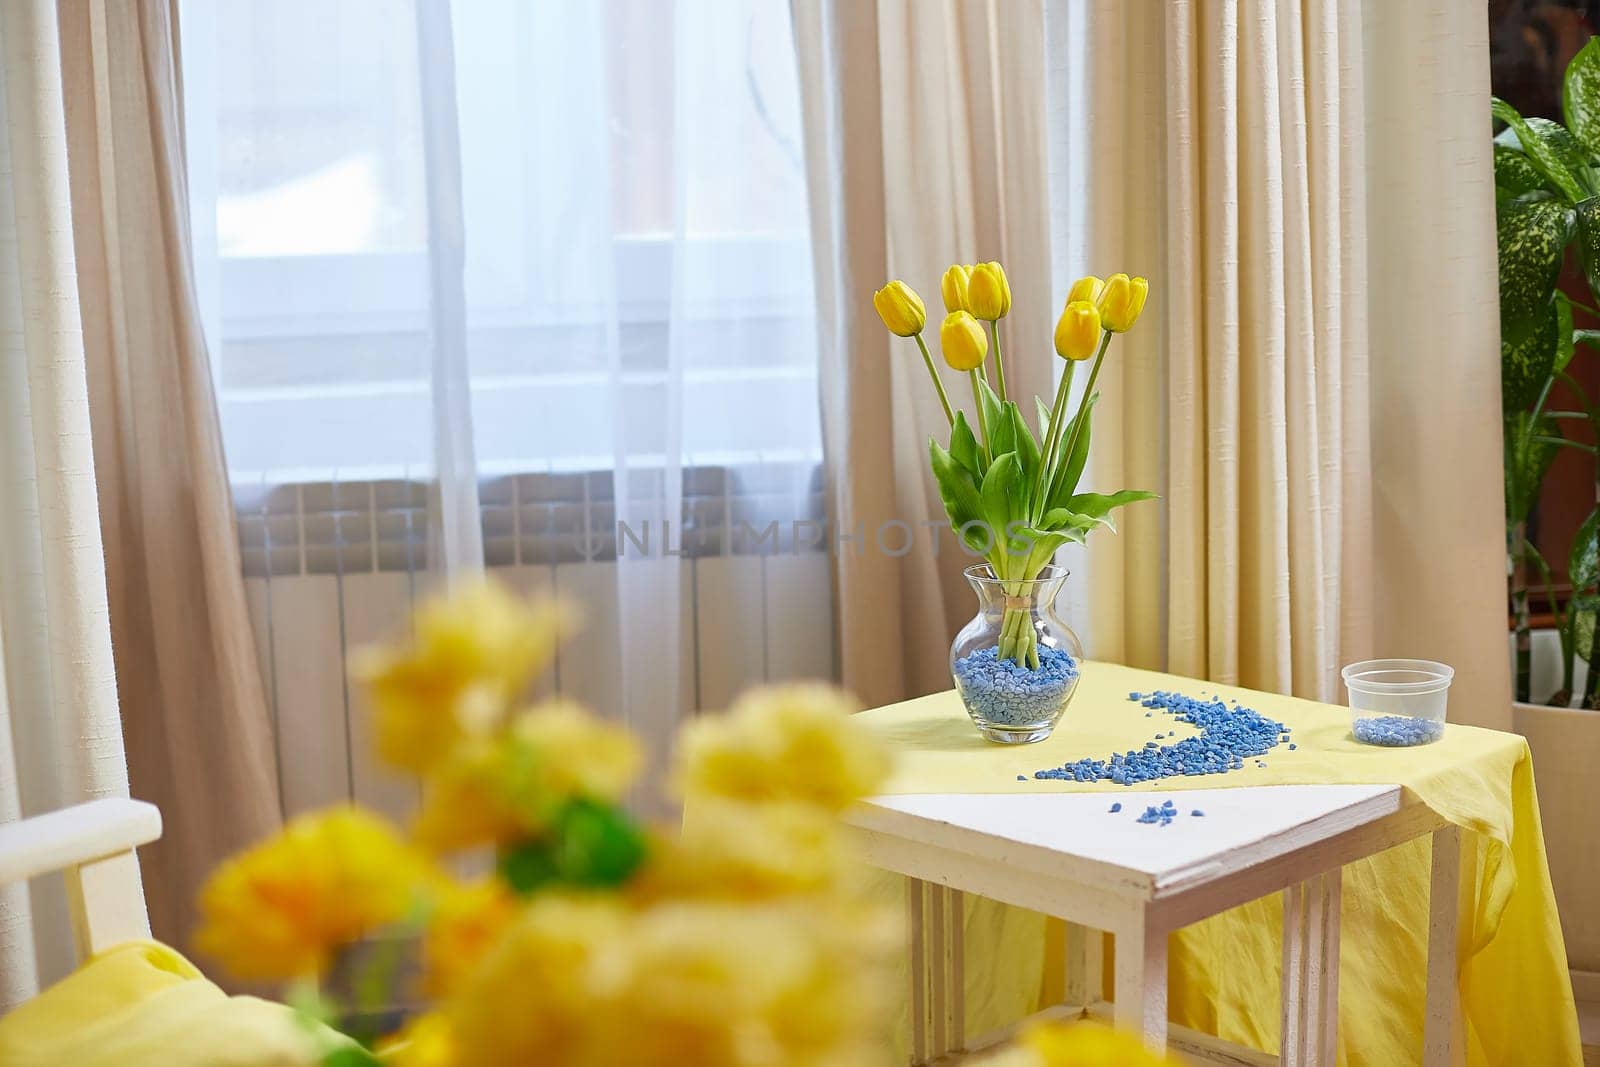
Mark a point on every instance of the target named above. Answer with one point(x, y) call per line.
point(1516, 991)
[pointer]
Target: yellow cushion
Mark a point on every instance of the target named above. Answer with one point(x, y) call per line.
point(141, 1004)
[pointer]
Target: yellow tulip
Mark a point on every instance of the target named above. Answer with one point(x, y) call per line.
point(1122, 301)
point(988, 292)
point(963, 341)
point(953, 287)
point(900, 308)
point(1078, 330)
point(1087, 288)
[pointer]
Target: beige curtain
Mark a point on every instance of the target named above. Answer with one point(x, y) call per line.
point(194, 712)
point(925, 147)
point(1308, 184)
point(59, 738)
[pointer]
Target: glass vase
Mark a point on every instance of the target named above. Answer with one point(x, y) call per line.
point(1016, 664)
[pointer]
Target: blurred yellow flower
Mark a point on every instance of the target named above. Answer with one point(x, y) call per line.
point(1122, 301)
point(1078, 331)
point(900, 308)
point(1088, 1044)
point(721, 986)
point(425, 1041)
point(962, 341)
point(795, 742)
point(537, 997)
point(467, 921)
point(474, 652)
point(953, 287)
point(732, 850)
point(280, 909)
point(507, 787)
point(988, 292)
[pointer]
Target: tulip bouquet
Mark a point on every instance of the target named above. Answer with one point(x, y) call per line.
point(741, 937)
point(1011, 497)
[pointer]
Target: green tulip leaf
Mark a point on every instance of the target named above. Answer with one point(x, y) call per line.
point(959, 492)
point(1002, 495)
point(1528, 349)
point(1097, 506)
point(1513, 174)
point(964, 447)
point(990, 402)
point(1532, 236)
point(1042, 410)
point(1026, 447)
point(1580, 96)
point(1070, 469)
point(1546, 159)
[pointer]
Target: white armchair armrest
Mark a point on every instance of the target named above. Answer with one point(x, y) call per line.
point(92, 845)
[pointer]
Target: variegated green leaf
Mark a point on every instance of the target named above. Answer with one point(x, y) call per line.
point(1527, 459)
point(1532, 236)
point(1545, 159)
point(1587, 214)
point(1583, 565)
point(1513, 174)
point(1528, 349)
point(1580, 95)
point(1573, 155)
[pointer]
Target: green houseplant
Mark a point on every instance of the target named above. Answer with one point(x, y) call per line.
point(1547, 200)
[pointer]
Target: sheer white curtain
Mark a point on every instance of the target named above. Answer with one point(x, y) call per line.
point(452, 242)
point(60, 737)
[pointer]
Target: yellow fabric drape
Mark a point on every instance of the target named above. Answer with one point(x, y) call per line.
point(194, 708)
point(1224, 972)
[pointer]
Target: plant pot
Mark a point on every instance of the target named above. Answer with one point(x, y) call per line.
point(1566, 748)
point(1010, 699)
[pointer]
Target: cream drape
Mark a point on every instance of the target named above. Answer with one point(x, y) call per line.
point(193, 705)
point(925, 146)
point(1308, 184)
point(60, 741)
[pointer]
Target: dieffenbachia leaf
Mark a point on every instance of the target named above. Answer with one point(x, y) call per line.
point(1545, 158)
point(1513, 174)
point(1587, 213)
point(1528, 348)
point(1527, 460)
point(1583, 565)
point(1580, 96)
point(1532, 236)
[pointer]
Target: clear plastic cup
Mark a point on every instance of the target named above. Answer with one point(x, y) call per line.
point(1397, 703)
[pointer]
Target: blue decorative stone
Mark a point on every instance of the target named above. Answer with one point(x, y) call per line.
point(1197, 813)
point(1116, 807)
point(1226, 737)
point(1000, 692)
point(1397, 731)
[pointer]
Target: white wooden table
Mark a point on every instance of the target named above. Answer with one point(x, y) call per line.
point(1067, 855)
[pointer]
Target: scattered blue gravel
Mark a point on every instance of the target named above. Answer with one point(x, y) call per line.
point(1293, 747)
point(1197, 813)
point(1396, 731)
point(1001, 693)
point(1116, 807)
point(1022, 777)
point(1227, 736)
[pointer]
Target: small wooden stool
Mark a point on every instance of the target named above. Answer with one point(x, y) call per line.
point(1066, 855)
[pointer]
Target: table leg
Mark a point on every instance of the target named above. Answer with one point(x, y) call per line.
point(919, 970)
point(1141, 979)
point(936, 919)
point(1310, 990)
point(1084, 966)
point(1441, 1036)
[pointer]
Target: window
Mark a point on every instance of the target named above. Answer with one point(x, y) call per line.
point(637, 259)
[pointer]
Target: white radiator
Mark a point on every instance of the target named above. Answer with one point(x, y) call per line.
point(332, 566)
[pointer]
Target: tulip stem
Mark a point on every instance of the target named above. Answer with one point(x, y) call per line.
point(933, 372)
point(1088, 391)
point(999, 364)
point(983, 424)
point(1052, 438)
